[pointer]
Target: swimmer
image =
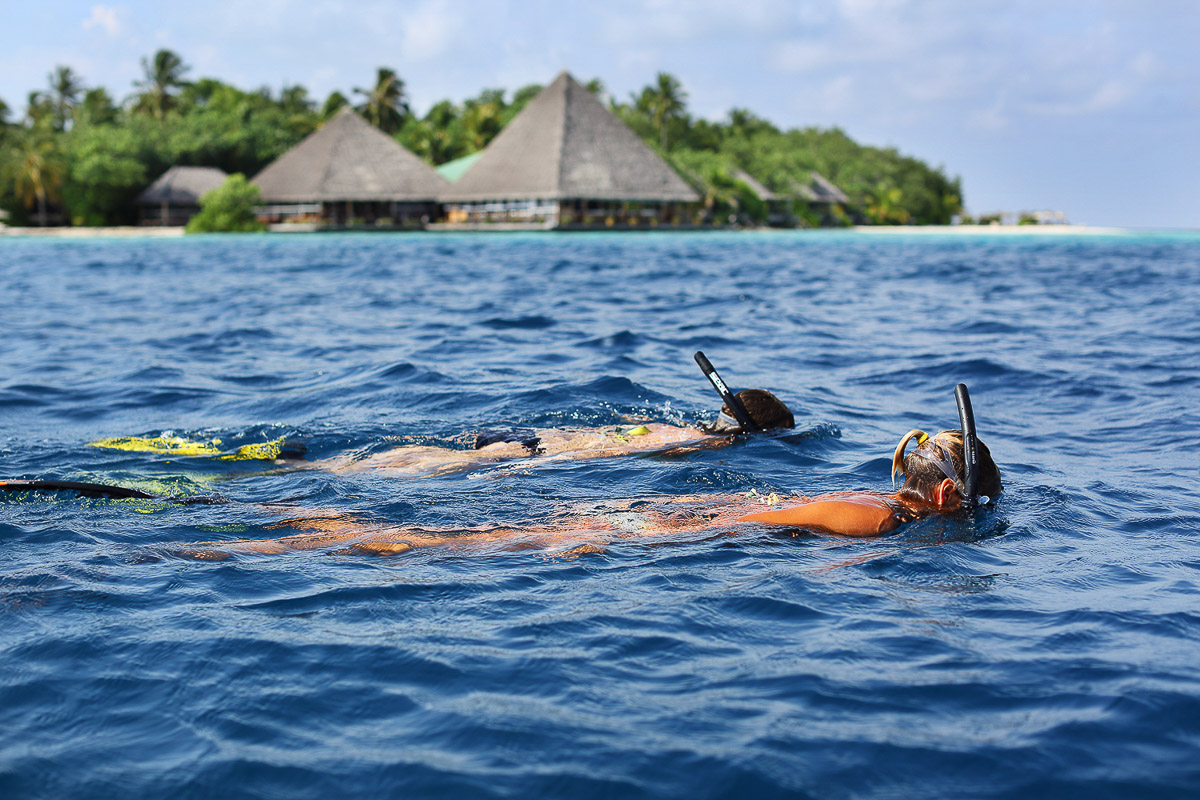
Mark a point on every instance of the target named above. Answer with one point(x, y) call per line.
point(495, 446)
point(942, 474)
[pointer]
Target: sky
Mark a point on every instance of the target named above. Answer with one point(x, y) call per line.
point(1091, 108)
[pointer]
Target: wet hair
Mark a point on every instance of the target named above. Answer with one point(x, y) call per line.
point(767, 410)
point(922, 474)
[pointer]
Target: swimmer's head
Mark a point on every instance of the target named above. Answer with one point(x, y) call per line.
point(767, 411)
point(937, 459)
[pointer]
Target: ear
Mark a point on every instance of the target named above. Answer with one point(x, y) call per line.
point(946, 494)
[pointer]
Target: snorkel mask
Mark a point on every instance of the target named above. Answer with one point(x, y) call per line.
point(935, 452)
point(743, 423)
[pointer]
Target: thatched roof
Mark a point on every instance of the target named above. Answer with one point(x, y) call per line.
point(566, 145)
point(348, 159)
point(182, 186)
point(820, 189)
point(760, 191)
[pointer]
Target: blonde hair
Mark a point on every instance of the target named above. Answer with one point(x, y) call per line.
point(921, 468)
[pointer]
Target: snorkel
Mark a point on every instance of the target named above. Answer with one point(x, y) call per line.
point(744, 419)
point(966, 421)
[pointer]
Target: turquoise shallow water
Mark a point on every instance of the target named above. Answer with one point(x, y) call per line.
point(1045, 647)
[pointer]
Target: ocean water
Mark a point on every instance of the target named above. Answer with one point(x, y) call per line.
point(1046, 646)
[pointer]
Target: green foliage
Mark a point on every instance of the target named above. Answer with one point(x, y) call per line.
point(385, 106)
point(229, 208)
point(34, 168)
point(163, 78)
point(78, 148)
point(107, 171)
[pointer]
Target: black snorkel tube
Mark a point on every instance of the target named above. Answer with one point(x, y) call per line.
point(966, 420)
point(739, 411)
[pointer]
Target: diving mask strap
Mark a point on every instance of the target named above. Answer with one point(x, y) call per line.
point(739, 411)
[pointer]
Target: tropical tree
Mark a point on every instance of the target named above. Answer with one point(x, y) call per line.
point(483, 117)
point(229, 208)
point(665, 102)
point(35, 168)
point(163, 78)
point(97, 108)
point(106, 170)
point(294, 100)
point(65, 89)
point(884, 205)
point(385, 106)
point(39, 110)
point(3, 113)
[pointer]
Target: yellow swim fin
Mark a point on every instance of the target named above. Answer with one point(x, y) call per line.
point(178, 446)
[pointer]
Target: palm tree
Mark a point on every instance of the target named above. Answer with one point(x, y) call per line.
point(39, 109)
point(884, 205)
point(3, 113)
point(385, 106)
point(35, 168)
point(65, 89)
point(97, 108)
point(163, 76)
point(665, 101)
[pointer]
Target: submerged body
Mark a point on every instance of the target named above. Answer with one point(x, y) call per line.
point(552, 444)
point(857, 514)
point(933, 485)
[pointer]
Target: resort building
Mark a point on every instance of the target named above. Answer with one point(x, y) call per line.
point(349, 174)
point(821, 197)
point(174, 198)
point(567, 162)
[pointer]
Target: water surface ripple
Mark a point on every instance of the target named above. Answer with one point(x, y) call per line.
point(1047, 647)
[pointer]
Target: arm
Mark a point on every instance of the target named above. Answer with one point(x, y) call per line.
point(849, 515)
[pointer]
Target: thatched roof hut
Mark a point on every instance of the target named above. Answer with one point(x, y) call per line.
point(760, 191)
point(820, 189)
point(563, 150)
point(182, 186)
point(174, 198)
point(348, 160)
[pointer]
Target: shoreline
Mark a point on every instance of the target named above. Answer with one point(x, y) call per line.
point(67, 232)
point(131, 231)
point(995, 230)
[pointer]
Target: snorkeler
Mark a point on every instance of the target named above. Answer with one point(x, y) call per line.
point(942, 474)
point(568, 444)
point(749, 411)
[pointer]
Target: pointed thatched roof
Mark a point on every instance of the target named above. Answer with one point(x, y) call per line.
point(760, 191)
point(348, 159)
point(565, 144)
point(820, 189)
point(181, 186)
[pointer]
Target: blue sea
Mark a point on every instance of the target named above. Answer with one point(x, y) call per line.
point(1047, 646)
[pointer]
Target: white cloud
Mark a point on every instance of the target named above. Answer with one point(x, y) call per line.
point(428, 31)
point(104, 17)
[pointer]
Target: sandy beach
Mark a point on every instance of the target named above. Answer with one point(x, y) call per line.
point(83, 233)
point(993, 230)
point(911, 230)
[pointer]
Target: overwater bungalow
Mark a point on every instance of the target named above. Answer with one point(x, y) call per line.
point(567, 162)
point(174, 198)
point(349, 175)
